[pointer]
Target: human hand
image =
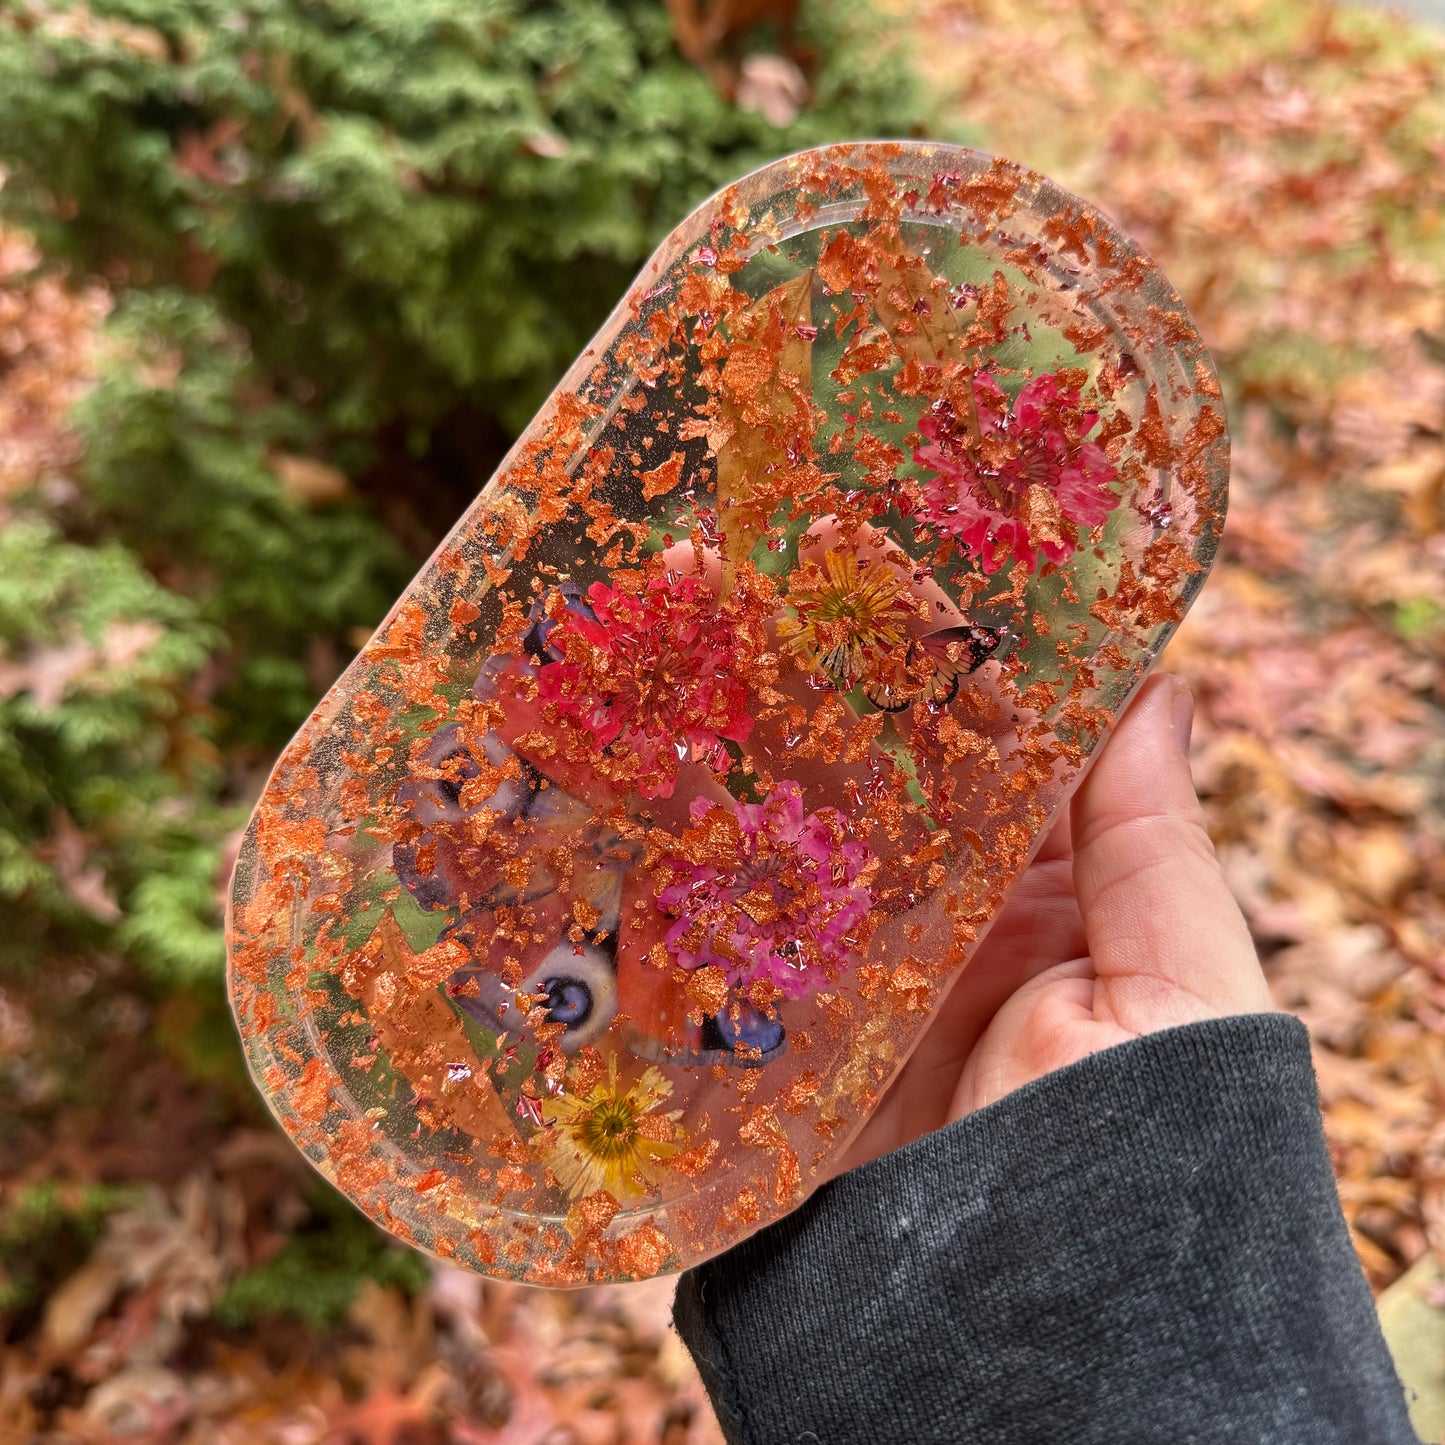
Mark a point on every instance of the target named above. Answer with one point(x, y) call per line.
point(1121, 926)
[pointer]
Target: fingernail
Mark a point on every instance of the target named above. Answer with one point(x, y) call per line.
point(1181, 714)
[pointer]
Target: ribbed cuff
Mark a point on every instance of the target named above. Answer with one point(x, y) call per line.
point(1145, 1246)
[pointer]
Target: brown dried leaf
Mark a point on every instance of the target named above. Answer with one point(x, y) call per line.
point(310, 481)
point(68, 849)
point(71, 1312)
point(703, 28)
point(766, 406)
point(912, 303)
point(774, 87)
point(417, 1026)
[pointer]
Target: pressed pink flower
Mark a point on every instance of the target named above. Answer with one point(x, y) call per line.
point(650, 678)
point(1020, 482)
point(775, 895)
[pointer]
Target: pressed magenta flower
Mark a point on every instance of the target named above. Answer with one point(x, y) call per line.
point(1018, 481)
point(649, 677)
point(765, 892)
point(849, 620)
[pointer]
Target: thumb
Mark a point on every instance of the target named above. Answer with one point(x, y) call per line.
point(1168, 941)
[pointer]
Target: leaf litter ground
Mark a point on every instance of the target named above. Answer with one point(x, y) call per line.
point(1283, 163)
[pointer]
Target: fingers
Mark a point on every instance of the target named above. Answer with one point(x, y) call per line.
point(1168, 941)
point(1060, 841)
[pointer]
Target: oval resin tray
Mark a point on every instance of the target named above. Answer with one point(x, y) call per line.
point(595, 907)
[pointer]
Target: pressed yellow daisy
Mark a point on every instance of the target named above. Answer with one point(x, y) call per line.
point(849, 618)
point(610, 1138)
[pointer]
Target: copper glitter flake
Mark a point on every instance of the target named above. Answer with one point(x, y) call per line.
point(587, 917)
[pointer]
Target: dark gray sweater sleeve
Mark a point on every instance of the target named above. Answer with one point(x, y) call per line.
point(1145, 1246)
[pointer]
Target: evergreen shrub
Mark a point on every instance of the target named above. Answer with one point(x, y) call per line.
point(351, 243)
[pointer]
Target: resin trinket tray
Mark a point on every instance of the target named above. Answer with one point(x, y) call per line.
point(596, 906)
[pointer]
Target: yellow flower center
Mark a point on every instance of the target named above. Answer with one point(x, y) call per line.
point(847, 618)
point(609, 1129)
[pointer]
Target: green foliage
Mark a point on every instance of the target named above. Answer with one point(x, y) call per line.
point(316, 1273)
point(46, 1232)
point(1418, 617)
point(402, 203)
point(94, 723)
point(361, 235)
point(181, 403)
point(351, 245)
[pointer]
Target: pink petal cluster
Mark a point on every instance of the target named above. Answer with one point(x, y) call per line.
point(650, 677)
point(783, 907)
point(1025, 483)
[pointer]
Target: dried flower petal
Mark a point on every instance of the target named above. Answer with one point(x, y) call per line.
point(774, 896)
point(1020, 480)
point(849, 619)
point(604, 1139)
point(648, 678)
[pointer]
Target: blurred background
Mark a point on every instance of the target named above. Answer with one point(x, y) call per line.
point(280, 279)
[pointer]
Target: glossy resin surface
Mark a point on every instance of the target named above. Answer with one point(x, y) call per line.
point(597, 904)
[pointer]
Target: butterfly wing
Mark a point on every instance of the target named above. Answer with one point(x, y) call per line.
point(935, 666)
point(891, 689)
point(954, 653)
